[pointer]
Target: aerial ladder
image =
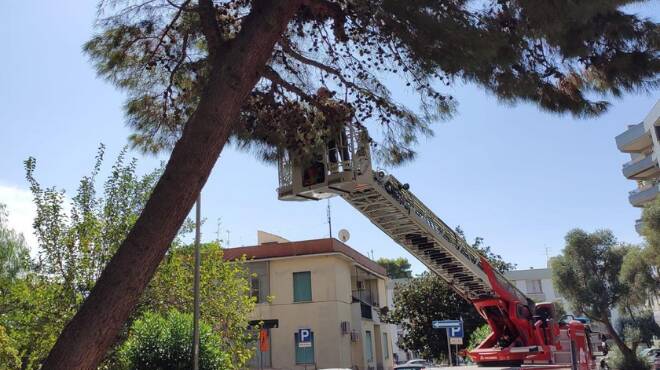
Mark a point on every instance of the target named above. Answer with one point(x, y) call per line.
point(522, 331)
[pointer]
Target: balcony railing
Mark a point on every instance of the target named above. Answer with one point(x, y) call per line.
point(634, 139)
point(639, 197)
point(643, 167)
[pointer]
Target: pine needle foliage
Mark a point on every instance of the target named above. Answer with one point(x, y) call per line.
point(564, 56)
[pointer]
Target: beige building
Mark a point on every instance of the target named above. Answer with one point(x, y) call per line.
point(324, 291)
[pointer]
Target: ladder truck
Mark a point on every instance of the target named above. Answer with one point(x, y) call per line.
point(523, 332)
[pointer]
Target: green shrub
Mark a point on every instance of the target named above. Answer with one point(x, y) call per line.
point(164, 342)
point(617, 361)
point(478, 336)
point(9, 359)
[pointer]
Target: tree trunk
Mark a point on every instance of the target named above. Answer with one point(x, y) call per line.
point(236, 68)
point(625, 351)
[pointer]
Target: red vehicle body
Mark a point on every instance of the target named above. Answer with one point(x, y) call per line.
point(527, 333)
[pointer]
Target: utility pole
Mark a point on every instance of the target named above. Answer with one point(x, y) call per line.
point(195, 346)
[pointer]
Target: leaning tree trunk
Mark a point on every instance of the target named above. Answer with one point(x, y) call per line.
point(627, 352)
point(236, 68)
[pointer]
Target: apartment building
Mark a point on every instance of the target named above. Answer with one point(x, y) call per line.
point(536, 284)
point(326, 288)
point(642, 142)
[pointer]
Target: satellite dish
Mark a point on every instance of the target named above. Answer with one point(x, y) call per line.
point(344, 235)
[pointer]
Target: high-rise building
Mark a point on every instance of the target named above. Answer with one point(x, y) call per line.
point(642, 141)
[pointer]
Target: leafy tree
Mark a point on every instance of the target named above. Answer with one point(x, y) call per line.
point(224, 291)
point(76, 240)
point(638, 328)
point(587, 275)
point(162, 341)
point(33, 311)
point(14, 253)
point(75, 247)
point(9, 359)
point(651, 232)
point(397, 268)
point(420, 301)
point(200, 73)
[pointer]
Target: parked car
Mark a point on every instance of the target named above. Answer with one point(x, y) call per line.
point(419, 361)
point(417, 364)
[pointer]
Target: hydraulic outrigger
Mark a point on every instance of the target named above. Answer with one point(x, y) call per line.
point(523, 332)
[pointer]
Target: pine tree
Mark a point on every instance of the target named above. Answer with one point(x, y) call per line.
point(200, 73)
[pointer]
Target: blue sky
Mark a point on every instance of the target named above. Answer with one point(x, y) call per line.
point(516, 176)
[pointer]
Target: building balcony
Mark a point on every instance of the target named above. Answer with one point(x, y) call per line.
point(643, 167)
point(639, 197)
point(635, 139)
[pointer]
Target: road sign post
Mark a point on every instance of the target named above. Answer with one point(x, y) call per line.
point(454, 329)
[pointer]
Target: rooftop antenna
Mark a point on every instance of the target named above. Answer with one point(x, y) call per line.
point(228, 238)
point(217, 232)
point(547, 256)
point(329, 220)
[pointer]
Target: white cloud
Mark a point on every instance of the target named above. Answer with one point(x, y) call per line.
point(21, 211)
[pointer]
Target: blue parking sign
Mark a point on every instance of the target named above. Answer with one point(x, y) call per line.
point(456, 332)
point(304, 338)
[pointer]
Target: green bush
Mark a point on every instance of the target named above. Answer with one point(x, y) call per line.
point(9, 359)
point(164, 342)
point(478, 336)
point(617, 361)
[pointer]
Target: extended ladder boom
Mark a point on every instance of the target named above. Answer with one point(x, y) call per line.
point(392, 207)
point(522, 331)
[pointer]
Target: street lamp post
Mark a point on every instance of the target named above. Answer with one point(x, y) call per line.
point(195, 346)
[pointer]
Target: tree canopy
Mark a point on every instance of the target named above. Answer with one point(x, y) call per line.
point(558, 55)
point(76, 238)
point(589, 274)
point(14, 253)
point(397, 268)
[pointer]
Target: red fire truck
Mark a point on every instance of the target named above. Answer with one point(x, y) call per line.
point(524, 333)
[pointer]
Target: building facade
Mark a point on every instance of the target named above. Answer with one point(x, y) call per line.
point(642, 142)
point(328, 290)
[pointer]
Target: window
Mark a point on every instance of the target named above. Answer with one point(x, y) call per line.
point(302, 286)
point(386, 346)
point(304, 355)
point(533, 286)
point(259, 288)
point(368, 347)
point(254, 288)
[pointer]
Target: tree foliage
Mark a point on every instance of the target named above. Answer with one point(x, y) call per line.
point(224, 291)
point(397, 268)
point(78, 236)
point(590, 274)
point(478, 335)
point(651, 232)
point(420, 301)
point(14, 253)
point(557, 55)
point(162, 341)
point(638, 328)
